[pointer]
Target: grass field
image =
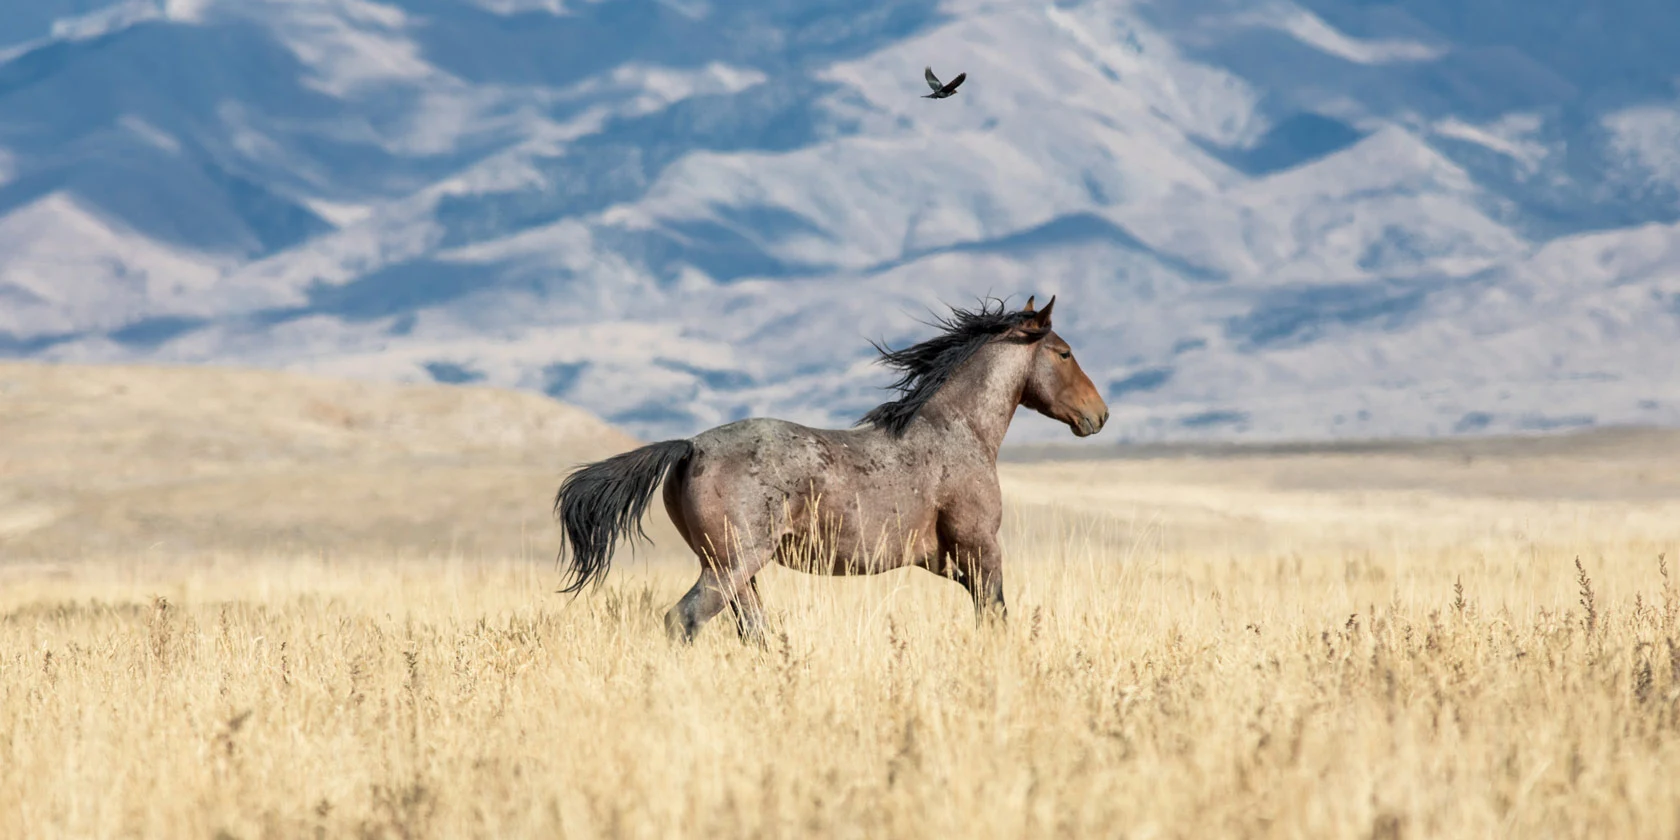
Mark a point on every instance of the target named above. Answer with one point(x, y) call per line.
point(1365, 645)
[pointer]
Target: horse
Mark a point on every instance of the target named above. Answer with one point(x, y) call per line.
point(913, 483)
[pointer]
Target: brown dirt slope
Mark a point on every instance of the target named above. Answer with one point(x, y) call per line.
point(95, 459)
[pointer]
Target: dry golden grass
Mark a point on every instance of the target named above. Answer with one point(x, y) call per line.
point(1294, 646)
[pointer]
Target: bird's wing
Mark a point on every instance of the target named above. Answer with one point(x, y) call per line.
point(932, 80)
point(954, 82)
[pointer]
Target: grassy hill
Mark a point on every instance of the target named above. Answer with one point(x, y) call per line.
point(183, 459)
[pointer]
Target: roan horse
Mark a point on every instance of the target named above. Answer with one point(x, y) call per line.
point(915, 483)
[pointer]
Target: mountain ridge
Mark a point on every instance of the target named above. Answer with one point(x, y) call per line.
point(1308, 219)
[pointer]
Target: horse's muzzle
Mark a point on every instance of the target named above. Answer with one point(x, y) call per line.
point(1089, 425)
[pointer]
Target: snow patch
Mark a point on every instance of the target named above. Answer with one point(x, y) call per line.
point(1650, 137)
point(187, 11)
point(351, 47)
point(515, 7)
point(1512, 135)
point(75, 271)
point(105, 21)
point(151, 134)
point(340, 215)
point(1311, 30)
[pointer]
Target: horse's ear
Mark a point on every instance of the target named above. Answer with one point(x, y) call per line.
point(1041, 318)
point(1037, 323)
point(1028, 307)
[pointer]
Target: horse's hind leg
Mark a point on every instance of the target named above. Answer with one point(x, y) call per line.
point(705, 599)
point(726, 579)
point(727, 566)
point(721, 584)
point(708, 594)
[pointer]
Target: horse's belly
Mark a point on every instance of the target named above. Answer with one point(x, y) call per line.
point(847, 545)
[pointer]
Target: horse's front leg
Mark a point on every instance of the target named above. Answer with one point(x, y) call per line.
point(749, 613)
point(986, 586)
point(977, 564)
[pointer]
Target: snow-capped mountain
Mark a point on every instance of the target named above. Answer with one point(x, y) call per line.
point(1321, 218)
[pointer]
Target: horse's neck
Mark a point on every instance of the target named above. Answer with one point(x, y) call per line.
point(981, 397)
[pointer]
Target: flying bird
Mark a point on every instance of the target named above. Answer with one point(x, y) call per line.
point(940, 91)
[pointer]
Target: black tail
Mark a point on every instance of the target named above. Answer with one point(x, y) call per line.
point(605, 500)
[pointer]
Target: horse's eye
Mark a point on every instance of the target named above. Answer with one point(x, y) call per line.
point(1066, 354)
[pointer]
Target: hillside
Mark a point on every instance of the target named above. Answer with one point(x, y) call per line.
point(181, 460)
point(1310, 219)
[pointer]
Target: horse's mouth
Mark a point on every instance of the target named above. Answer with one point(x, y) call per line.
point(1087, 425)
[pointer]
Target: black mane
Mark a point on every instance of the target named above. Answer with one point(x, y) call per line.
point(924, 367)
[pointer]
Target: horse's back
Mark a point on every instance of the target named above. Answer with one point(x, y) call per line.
point(757, 437)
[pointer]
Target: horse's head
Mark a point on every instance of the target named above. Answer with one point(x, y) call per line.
point(1056, 386)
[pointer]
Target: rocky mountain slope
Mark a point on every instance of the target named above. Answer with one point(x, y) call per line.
point(1322, 218)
